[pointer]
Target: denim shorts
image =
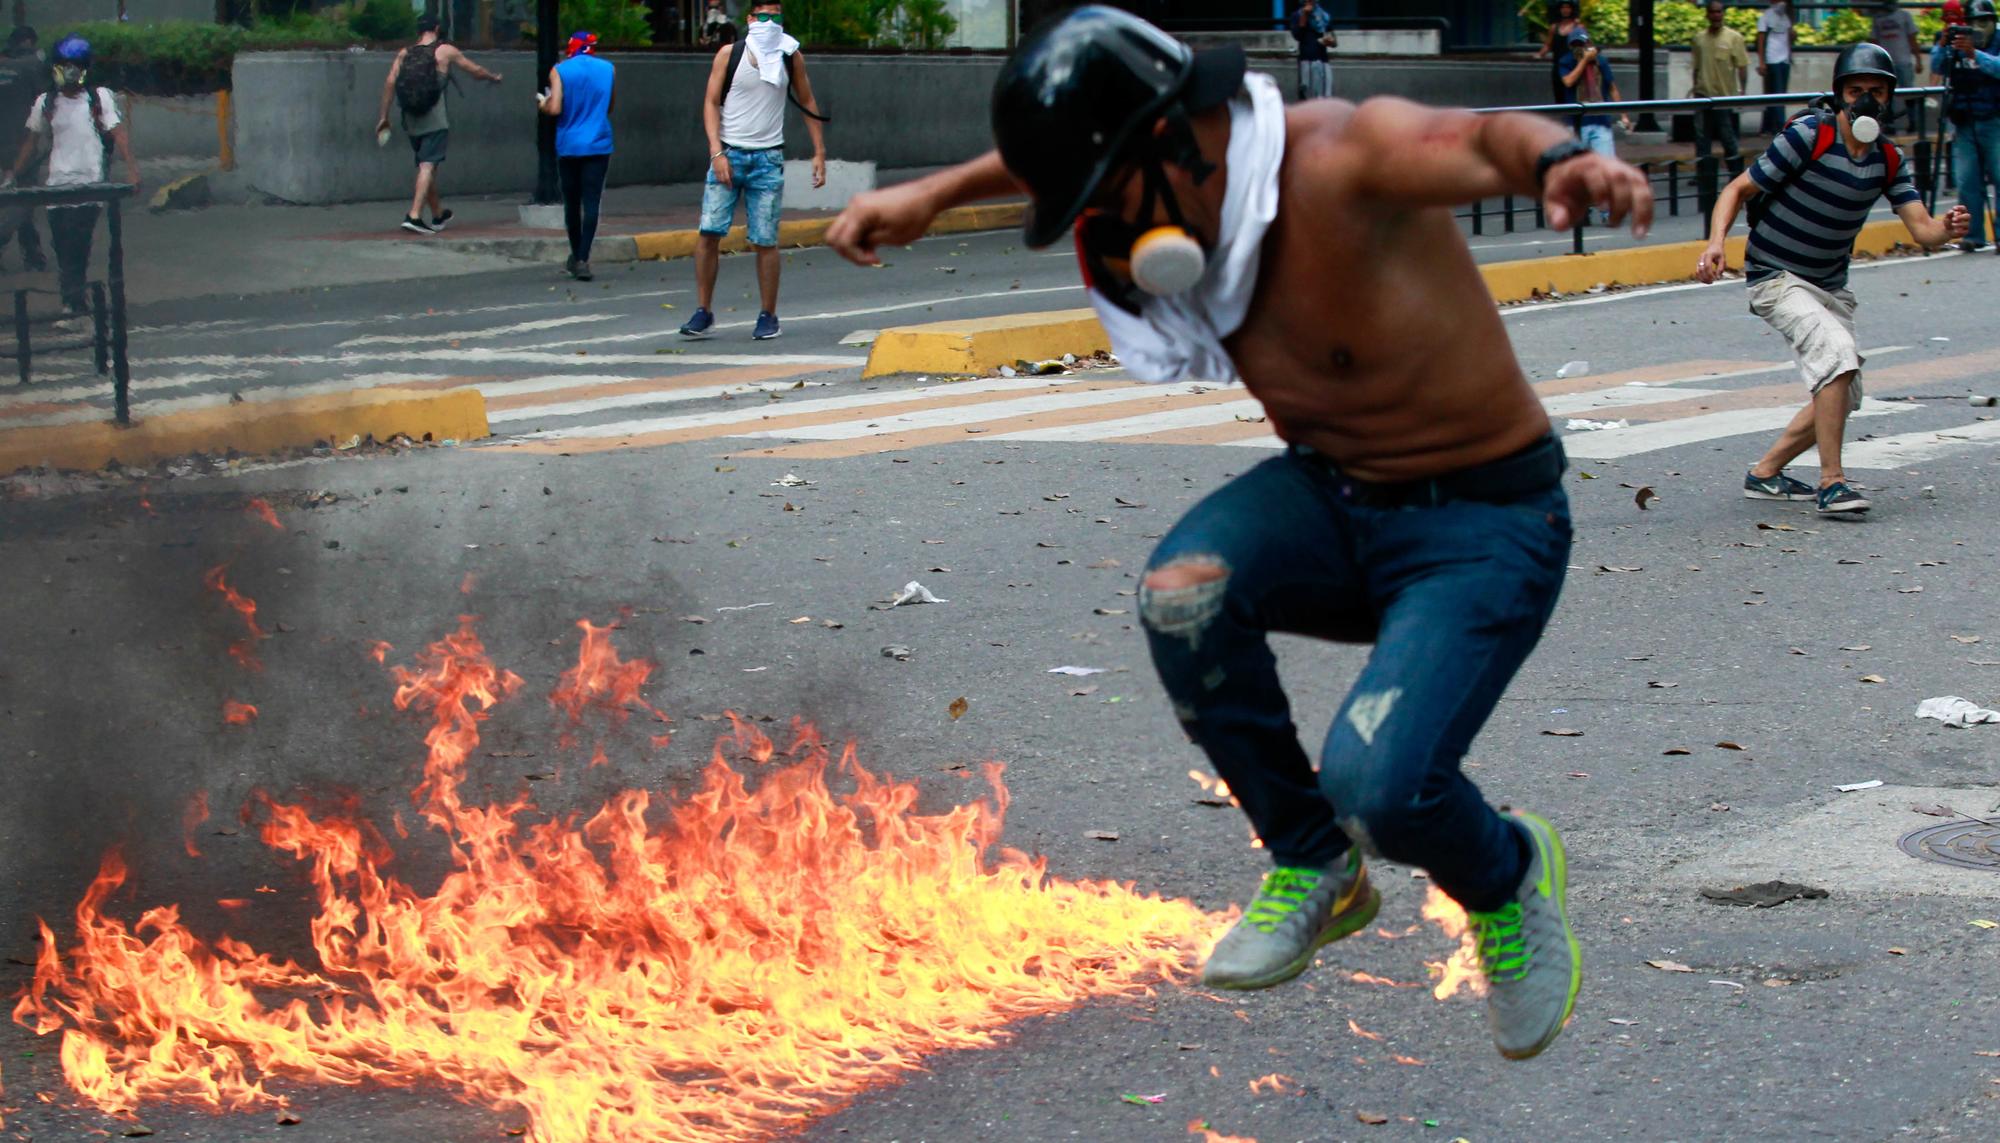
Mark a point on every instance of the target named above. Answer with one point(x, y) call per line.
point(757, 178)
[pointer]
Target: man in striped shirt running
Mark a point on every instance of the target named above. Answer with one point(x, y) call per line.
point(1813, 190)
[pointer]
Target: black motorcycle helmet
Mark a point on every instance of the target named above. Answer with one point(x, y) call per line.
point(1982, 10)
point(1079, 98)
point(1863, 59)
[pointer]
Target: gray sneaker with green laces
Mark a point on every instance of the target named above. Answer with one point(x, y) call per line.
point(1296, 911)
point(1533, 969)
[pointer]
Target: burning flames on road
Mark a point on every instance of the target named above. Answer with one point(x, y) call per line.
point(717, 968)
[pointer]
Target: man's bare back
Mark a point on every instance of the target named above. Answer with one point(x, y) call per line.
point(1372, 338)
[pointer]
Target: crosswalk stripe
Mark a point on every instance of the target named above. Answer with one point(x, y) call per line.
point(972, 414)
point(1611, 402)
point(1225, 407)
point(534, 326)
point(141, 387)
point(651, 431)
point(629, 392)
point(1611, 444)
point(1905, 449)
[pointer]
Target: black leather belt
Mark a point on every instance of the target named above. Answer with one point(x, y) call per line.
point(1534, 469)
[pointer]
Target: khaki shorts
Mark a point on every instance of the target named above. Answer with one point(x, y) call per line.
point(1819, 326)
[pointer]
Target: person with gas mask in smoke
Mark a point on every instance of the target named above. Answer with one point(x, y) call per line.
point(1809, 196)
point(1312, 253)
point(1970, 66)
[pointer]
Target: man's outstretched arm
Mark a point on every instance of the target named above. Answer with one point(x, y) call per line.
point(899, 215)
point(1407, 154)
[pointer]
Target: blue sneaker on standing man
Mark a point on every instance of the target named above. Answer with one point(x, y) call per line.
point(744, 112)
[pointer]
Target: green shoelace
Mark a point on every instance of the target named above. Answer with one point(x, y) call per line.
point(1284, 890)
point(1502, 952)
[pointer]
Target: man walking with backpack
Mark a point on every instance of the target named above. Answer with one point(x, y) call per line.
point(1811, 194)
point(416, 83)
point(80, 124)
point(744, 112)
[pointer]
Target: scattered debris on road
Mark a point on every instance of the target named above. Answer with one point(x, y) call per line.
point(1764, 894)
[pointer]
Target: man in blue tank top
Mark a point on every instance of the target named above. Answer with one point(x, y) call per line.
point(580, 97)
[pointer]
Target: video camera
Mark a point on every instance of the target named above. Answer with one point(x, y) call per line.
point(1952, 33)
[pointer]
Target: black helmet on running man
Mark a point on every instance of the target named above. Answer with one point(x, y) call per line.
point(1865, 59)
point(1079, 98)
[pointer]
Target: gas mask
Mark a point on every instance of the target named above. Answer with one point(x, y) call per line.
point(70, 75)
point(1864, 117)
point(1127, 261)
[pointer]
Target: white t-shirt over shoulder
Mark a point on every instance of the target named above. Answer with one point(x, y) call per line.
point(76, 151)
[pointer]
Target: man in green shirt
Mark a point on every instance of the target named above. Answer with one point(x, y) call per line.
point(1721, 67)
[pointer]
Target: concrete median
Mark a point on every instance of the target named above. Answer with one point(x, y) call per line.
point(980, 346)
point(254, 428)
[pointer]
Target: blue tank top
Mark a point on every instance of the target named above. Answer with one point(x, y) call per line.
point(584, 127)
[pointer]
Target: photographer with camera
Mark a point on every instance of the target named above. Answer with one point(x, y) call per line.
point(1970, 67)
point(1810, 195)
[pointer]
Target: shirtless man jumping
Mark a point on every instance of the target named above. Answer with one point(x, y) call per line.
point(1312, 252)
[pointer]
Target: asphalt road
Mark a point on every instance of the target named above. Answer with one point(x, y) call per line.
point(1860, 1016)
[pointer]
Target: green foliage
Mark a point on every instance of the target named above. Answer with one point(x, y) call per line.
point(918, 25)
point(383, 21)
point(618, 23)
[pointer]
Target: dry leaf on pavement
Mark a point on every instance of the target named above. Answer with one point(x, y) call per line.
point(1669, 966)
point(958, 708)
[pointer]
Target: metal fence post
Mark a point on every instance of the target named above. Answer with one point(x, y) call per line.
point(1507, 203)
point(1576, 230)
point(25, 355)
point(1479, 216)
point(1704, 186)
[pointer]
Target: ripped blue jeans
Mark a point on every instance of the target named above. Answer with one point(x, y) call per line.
point(1453, 593)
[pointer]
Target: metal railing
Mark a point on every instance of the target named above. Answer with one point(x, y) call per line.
point(1703, 181)
point(107, 342)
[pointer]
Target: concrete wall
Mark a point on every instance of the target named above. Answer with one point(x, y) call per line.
point(305, 120)
point(172, 125)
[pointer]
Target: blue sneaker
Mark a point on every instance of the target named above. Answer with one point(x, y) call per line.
point(697, 323)
point(767, 326)
point(1779, 487)
point(1838, 497)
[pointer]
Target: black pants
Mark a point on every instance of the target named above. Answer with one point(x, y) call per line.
point(30, 240)
point(582, 187)
point(70, 231)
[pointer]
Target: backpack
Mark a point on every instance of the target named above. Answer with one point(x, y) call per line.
point(791, 72)
point(418, 84)
point(1823, 140)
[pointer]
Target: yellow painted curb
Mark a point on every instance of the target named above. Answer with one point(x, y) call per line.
point(663, 244)
point(258, 427)
point(985, 344)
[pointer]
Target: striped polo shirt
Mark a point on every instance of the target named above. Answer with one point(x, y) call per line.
point(1812, 210)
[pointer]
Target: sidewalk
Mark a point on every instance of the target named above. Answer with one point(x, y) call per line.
point(231, 250)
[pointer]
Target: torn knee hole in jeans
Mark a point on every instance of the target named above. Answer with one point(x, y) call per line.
point(1183, 596)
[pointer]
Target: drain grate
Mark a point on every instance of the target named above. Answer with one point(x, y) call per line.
point(1966, 844)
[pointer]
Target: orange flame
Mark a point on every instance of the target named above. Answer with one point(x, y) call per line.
point(258, 508)
point(1277, 1082)
point(602, 679)
point(1407, 1061)
point(1362, 1032)
point(749, 956)
point(1462, 969)
point(244, 650)
point(237, 713)
point(379, 651)
point(1200, 1127)
point(1371, 978)
point(196, 813)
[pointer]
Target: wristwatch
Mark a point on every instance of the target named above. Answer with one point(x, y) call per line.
point(1562, 152)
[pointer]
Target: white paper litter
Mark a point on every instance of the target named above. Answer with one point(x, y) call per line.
point(1579, 425)
point(749, 606)
point(1955, 711)
point(1572, 369)
point(913, 592)
point(1077, 671)
point(792, 480)
point(1853, 786)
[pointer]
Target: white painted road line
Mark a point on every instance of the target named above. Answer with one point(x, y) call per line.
point(1191, 417)
point(1610, 444)
point(539, 413)
point(1905, 449)
point(535, 326)
point(972, 414)
point(823, 405)
point(1570, 404)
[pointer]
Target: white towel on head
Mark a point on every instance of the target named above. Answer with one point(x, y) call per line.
point(772, 45)
point(1180, 338)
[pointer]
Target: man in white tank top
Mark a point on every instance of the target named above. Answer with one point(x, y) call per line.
point(745, 116)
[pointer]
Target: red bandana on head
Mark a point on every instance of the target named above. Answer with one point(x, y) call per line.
point(584, 43)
